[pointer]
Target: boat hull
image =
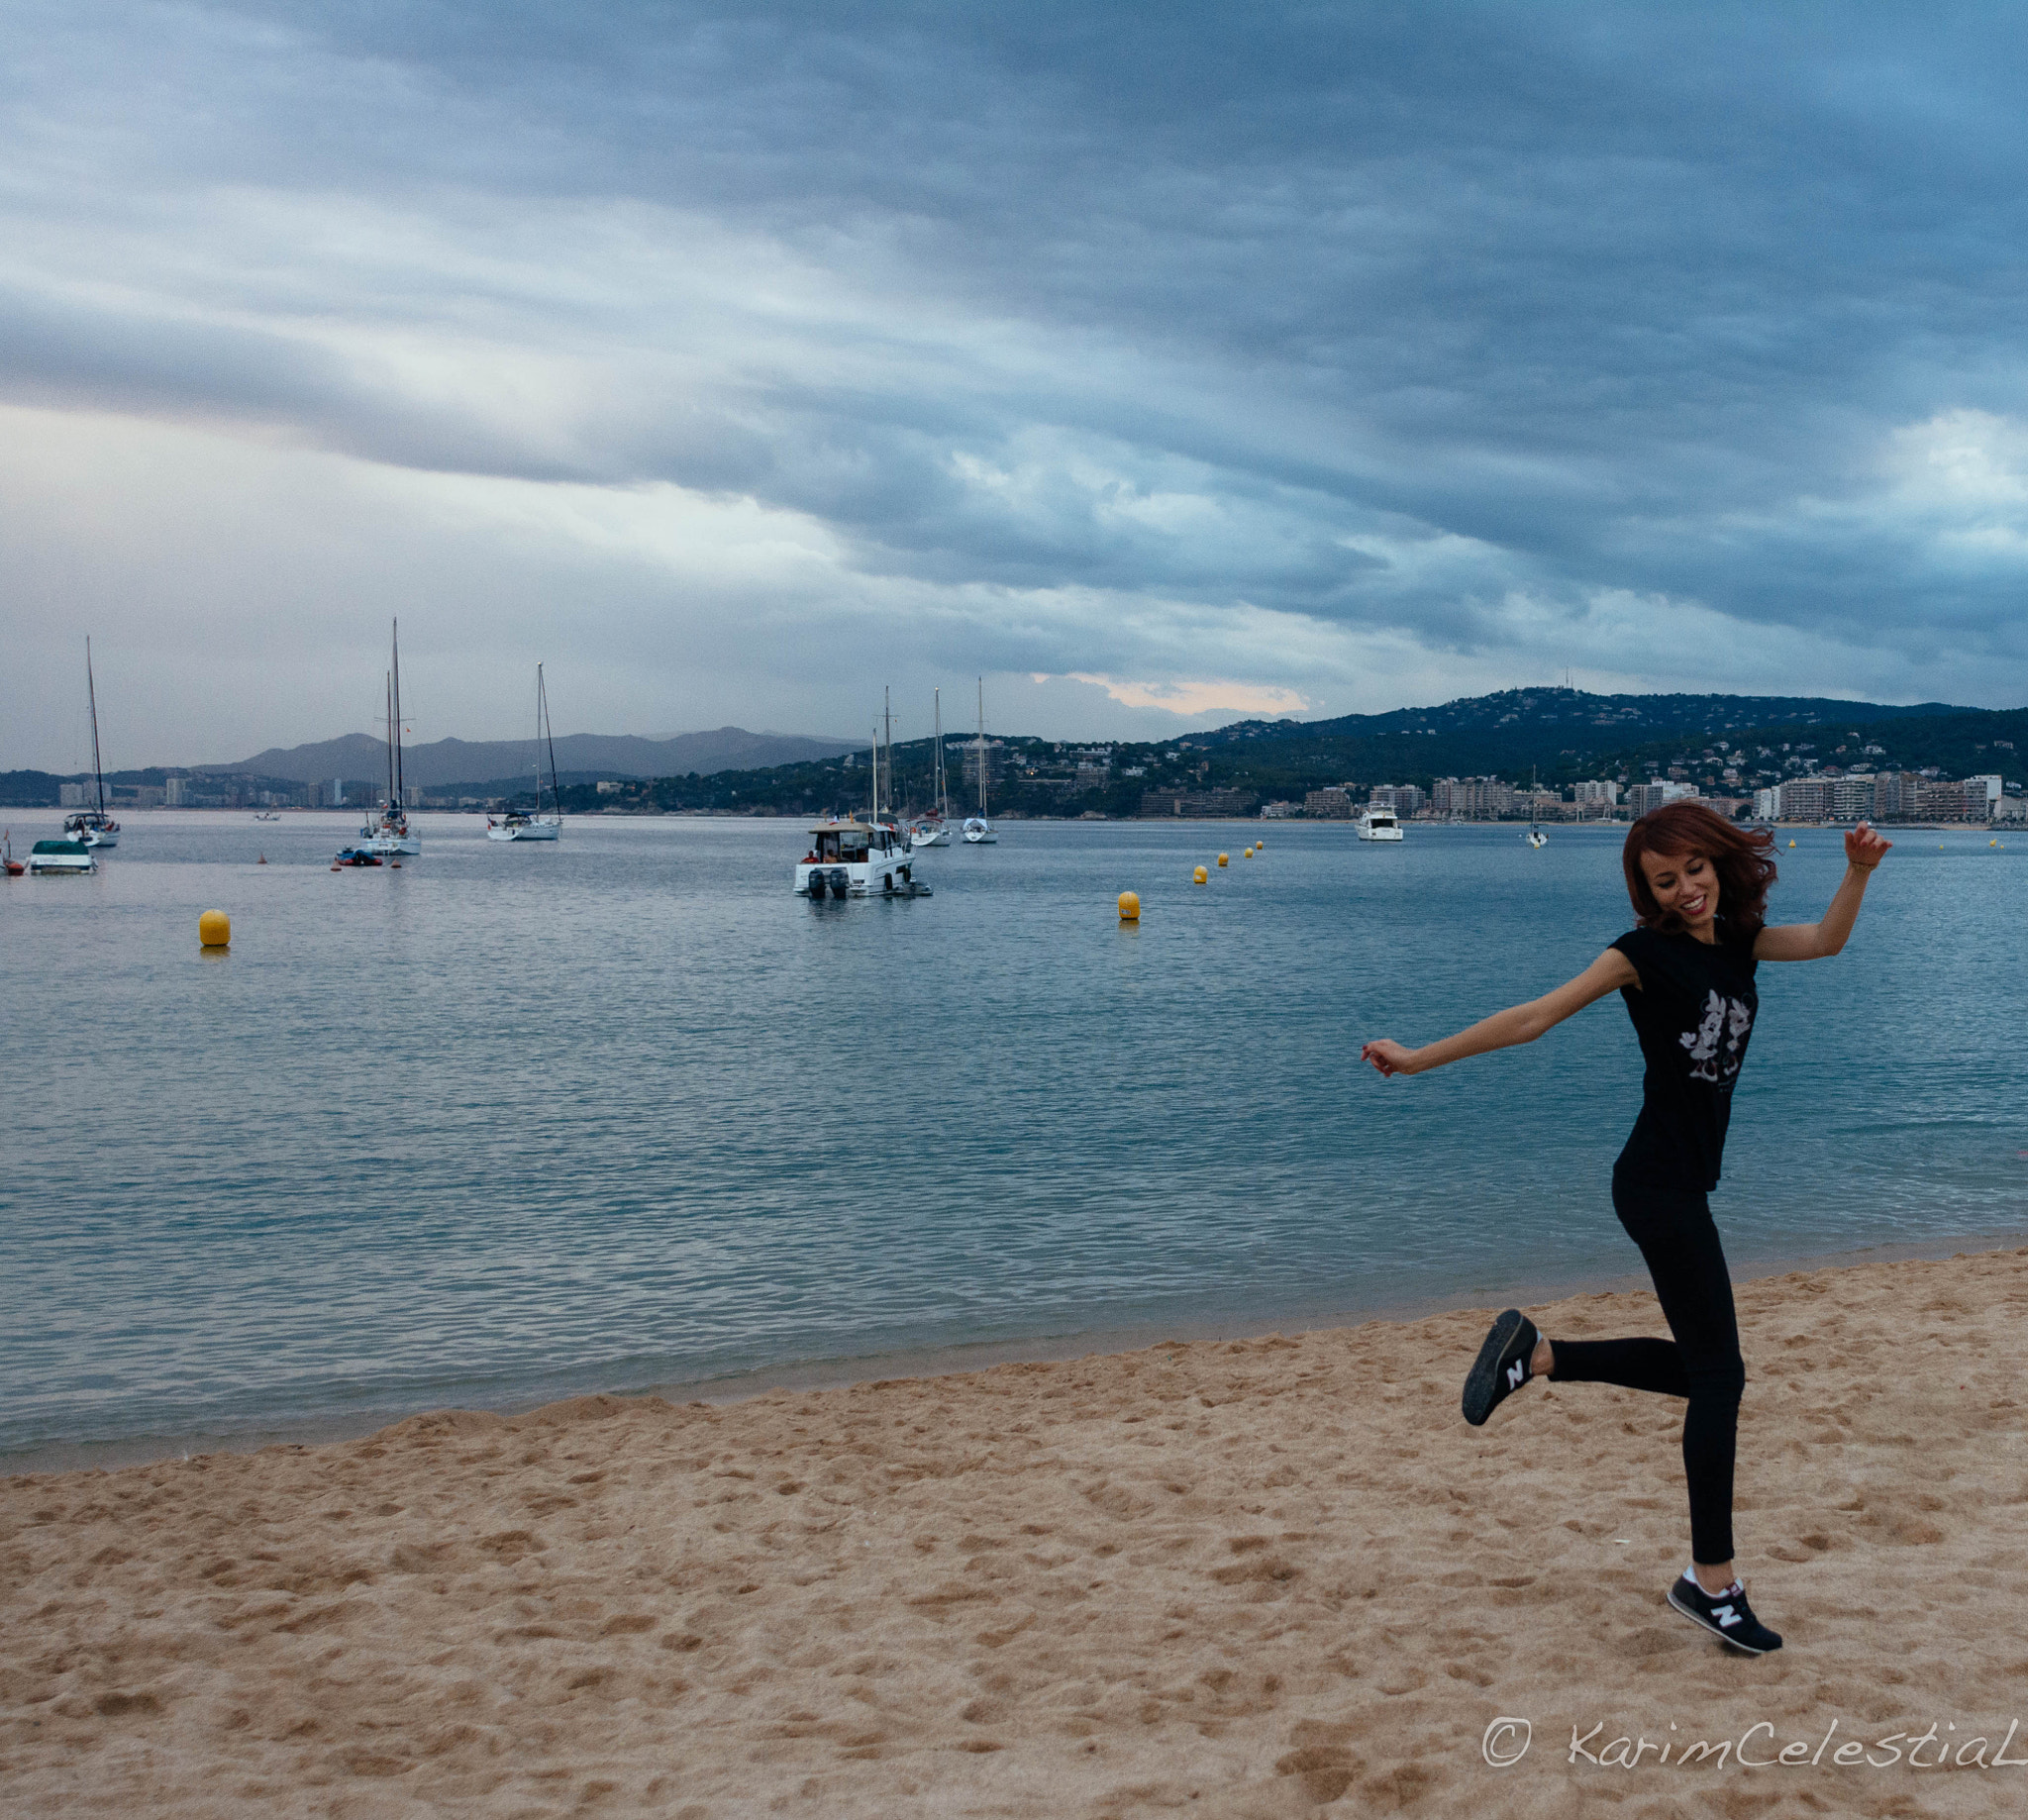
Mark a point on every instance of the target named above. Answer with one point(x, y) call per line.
point(534, 831)
point(883, 875)
point(52, 865)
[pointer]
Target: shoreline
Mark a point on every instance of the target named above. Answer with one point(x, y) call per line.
point(1244, 1579)
point(729, 1389)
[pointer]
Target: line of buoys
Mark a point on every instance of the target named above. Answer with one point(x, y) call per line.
point(1130, 907)
point(214, 929)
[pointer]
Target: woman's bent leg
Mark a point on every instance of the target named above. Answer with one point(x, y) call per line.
point(1681, 1243)
point(1676, 1237)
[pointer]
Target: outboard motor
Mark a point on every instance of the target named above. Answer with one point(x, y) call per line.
point(840, 884)
point(814, 884)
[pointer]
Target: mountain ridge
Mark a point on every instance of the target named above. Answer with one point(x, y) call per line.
point(439, 762)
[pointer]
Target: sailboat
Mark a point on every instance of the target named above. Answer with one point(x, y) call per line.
point(517, 824)
point(979, 831)
point(1534, 836)
point(932, 828)
point(391, 834)
point(94, 827)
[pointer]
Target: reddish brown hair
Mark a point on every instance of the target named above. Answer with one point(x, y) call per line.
point(1743, 858)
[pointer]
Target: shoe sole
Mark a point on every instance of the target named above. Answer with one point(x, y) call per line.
point(1482, 1381)
point(1704, 1624)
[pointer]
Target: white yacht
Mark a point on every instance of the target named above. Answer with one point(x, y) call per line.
point(517, 824)
point(1534, 836)
point(1379, 825)
point(979, 831)
point(391, 833)
point(933, 829)
point(92, 826)
point(855, 859)
point(52, 857)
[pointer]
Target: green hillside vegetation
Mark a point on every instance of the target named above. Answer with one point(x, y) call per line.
point(1562, 736)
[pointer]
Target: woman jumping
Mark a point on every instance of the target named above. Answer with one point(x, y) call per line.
point(1699, 886)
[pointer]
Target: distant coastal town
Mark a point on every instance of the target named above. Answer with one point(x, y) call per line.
point(1550, 754)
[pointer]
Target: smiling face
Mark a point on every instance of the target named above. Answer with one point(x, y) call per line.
point(1688, 884)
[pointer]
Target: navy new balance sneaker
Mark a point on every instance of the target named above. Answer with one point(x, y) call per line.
point(1501, 1367)
point(1728, 1615)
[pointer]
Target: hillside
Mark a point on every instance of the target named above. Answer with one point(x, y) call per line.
point(1559, 736)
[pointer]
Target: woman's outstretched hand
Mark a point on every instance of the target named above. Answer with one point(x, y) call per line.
point(1387, 1055)
point(1865, 849)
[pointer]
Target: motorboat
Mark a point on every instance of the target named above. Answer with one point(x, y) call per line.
point(855, 859)
point(94, 827)
point(353, 856)
point(8, 863)
point(520, 823)
point(266, 815)
point(978, 830)
point(391, 834)
point(1379, 825)
point(50, 857)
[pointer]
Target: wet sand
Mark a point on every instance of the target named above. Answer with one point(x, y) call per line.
point(1253, 1577)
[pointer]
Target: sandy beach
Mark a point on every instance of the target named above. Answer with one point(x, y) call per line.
point(1257, 1578)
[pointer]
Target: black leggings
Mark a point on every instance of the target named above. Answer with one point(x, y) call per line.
point(1676, 1237)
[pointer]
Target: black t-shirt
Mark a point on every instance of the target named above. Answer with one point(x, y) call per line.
point(1694, 1012)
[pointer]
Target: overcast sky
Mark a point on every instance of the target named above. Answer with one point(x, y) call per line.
point(1161, 364)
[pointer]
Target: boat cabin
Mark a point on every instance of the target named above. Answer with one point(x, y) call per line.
point(849, 844)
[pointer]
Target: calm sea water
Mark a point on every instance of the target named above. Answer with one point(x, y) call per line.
point(515, 1121)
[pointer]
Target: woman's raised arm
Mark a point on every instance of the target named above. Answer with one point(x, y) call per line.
point(1517, 1024)
point(1863, 850)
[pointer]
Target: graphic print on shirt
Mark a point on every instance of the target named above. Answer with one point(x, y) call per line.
point(1718, 1042)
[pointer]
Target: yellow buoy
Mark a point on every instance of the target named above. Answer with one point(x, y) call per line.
point(1792, 842)
point(1248, 854)
point(1130, 907)
point(1221, 859)
point(214, 929)
point(1202, 875)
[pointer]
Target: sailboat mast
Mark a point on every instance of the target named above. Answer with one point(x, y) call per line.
point(888, 723)
point(981, 749)
point(387, 681)
point(937, 697)
point(92, 695)
point(875, 818)
point(398, 714)
point(541, 698)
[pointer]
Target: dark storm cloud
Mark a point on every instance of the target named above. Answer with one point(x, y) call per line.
point(1415, 308)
